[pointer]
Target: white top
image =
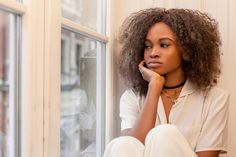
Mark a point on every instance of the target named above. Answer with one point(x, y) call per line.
point(201, 117)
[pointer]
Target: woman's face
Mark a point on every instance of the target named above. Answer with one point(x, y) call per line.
point(162, 54)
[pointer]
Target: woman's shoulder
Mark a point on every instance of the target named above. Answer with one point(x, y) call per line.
point(130, 93)
point(217, 91)
point(129, 96)
point(217, 96)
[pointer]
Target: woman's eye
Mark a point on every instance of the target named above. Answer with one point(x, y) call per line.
point(147, 46)
point(164, 45)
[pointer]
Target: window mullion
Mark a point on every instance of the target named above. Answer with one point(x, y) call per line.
point(13, 6)
point(78, 28)
point(32, 79)
point(52, 52)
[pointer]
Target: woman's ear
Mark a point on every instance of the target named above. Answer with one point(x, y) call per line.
point(185, 57)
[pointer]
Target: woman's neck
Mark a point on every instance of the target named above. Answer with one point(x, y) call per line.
point(175, 80)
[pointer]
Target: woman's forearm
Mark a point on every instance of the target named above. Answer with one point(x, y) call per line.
point(147, 118)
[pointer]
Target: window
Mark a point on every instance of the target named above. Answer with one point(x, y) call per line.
point(9, 78)
point(62, 59)
point(83, 51)
point(89, 13)
point(78, 94)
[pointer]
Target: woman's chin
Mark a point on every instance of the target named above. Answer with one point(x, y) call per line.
point(157, 71)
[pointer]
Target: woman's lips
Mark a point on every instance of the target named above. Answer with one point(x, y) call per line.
point(154, 64)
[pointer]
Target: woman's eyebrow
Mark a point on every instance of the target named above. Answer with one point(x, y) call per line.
point(147, 40)
point(166, 38)
point(161, 39)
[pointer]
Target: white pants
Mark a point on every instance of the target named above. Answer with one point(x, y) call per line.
point(162, 141)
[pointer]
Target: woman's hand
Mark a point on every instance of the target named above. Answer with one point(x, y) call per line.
point(149, 75)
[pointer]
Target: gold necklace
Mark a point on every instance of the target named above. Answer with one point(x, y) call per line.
point(171, 97)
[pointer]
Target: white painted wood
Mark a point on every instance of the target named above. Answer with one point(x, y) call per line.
point(52, 75)
point(109, 77)
point(13, 130)
point(222, 16)
point(99, 99)
point(73, 26)
point(145, 4)
point(190, 4)
point(13, 6)
point(159, 3)
point(224, 13)
point(203, 5)
point(231, 75)
point(32, 79)
point(169, 4)
point(210, 7)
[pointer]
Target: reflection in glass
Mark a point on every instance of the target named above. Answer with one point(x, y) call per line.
point(89, 13)
point(78, 94)
point(7, 49)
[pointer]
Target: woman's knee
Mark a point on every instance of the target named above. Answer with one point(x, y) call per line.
point(162, 132)
point(167, 139)
point(124, 146)
point(124, 142)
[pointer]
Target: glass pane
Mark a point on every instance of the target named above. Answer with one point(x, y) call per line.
point(79, 58)
point(7, 83)
point(89, 13)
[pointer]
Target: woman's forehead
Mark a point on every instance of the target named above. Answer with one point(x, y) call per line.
point(160, 31)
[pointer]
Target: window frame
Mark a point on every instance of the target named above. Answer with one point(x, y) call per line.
point(40, 74)
point(15, 88)
point(101, 136)
point(17, 10)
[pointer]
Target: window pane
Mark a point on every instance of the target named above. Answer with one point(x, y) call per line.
point(89, 13)
point(79, 85)
point(8, 87)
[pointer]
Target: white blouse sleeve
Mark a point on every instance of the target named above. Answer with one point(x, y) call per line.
point(213, 134)
point(129, 109)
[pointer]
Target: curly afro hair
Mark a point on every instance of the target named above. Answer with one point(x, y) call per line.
point(197, 35)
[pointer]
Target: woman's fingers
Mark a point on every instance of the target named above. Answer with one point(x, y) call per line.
point(148, 74)
point(141, 67)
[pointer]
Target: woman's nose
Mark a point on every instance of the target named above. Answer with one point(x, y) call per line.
point(154, 53)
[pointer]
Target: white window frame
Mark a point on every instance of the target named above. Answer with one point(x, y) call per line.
point(40, 75)
point(14, 92)
point(78, 28)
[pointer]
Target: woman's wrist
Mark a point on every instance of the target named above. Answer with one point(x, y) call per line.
point(157, 81)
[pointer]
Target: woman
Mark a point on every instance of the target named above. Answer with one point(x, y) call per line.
point(170, 59)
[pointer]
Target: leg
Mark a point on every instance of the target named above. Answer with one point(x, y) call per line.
point(167, 141)
point(125, 146)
